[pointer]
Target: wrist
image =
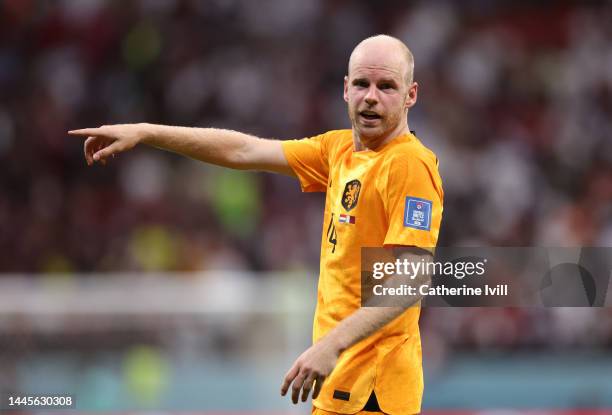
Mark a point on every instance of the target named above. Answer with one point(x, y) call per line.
point(147, 133)
point(336, 343)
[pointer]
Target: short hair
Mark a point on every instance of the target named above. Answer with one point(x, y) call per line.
point(408, 57)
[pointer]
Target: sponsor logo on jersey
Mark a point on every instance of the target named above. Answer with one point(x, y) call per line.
point(417, 213)
point(346, 218)
point(350, 195)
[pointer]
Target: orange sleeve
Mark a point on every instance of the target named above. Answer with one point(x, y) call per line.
point(413, 199)
point(308, 158)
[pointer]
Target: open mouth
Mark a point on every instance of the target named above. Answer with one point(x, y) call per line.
point(369, 115)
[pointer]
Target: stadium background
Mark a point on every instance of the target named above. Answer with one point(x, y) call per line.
point(161, 284)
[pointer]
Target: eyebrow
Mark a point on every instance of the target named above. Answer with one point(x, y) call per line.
point(384, 80)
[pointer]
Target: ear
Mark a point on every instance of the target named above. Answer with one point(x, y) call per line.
point(345, 88)
point(411, 98)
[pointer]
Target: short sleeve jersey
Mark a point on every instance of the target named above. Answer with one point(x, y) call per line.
point(391, 196)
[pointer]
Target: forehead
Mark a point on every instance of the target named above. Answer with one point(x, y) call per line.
point(379, 62)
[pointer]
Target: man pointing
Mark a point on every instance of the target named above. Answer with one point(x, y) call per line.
point(382, 190)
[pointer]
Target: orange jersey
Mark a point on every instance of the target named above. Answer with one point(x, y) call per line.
point(391, 196)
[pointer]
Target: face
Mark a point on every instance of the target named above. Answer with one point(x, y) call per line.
point(378, 96)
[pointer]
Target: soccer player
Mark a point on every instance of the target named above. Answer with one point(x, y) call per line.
point(382, 190)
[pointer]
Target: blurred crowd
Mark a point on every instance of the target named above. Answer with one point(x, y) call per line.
point(514, 98)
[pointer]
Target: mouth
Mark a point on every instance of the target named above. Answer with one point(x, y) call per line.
point(370, 115)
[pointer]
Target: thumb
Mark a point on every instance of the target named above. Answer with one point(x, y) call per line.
point(108, 151)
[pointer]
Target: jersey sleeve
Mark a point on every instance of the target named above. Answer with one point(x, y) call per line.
point(413, 199)
point(308, 157)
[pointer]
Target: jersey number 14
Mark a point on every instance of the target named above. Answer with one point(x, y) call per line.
point(332, 237)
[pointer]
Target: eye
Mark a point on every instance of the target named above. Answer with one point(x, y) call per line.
point(386, 85)
point(360, 83)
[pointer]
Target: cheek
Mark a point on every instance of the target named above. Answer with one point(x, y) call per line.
point(394, 104)
point(354, 96)
point(352, 101)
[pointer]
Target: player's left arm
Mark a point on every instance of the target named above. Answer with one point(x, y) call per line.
point(318, 361)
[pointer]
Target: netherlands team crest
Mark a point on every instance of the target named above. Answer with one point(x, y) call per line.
point(350, 195)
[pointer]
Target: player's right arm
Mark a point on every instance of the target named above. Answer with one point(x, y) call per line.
point(226, 148)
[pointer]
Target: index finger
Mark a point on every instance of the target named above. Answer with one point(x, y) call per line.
point(85, 132)
point(289, 378)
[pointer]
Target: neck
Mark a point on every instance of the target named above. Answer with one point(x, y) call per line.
point(372, 144)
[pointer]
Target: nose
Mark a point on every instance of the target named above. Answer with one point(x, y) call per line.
point(371, 97)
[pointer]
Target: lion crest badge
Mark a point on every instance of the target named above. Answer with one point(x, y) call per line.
point(350, 195)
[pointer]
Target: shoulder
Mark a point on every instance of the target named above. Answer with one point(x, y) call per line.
point(408, 152)
point(335, 140)
point(408, 164)
point(338, 136)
